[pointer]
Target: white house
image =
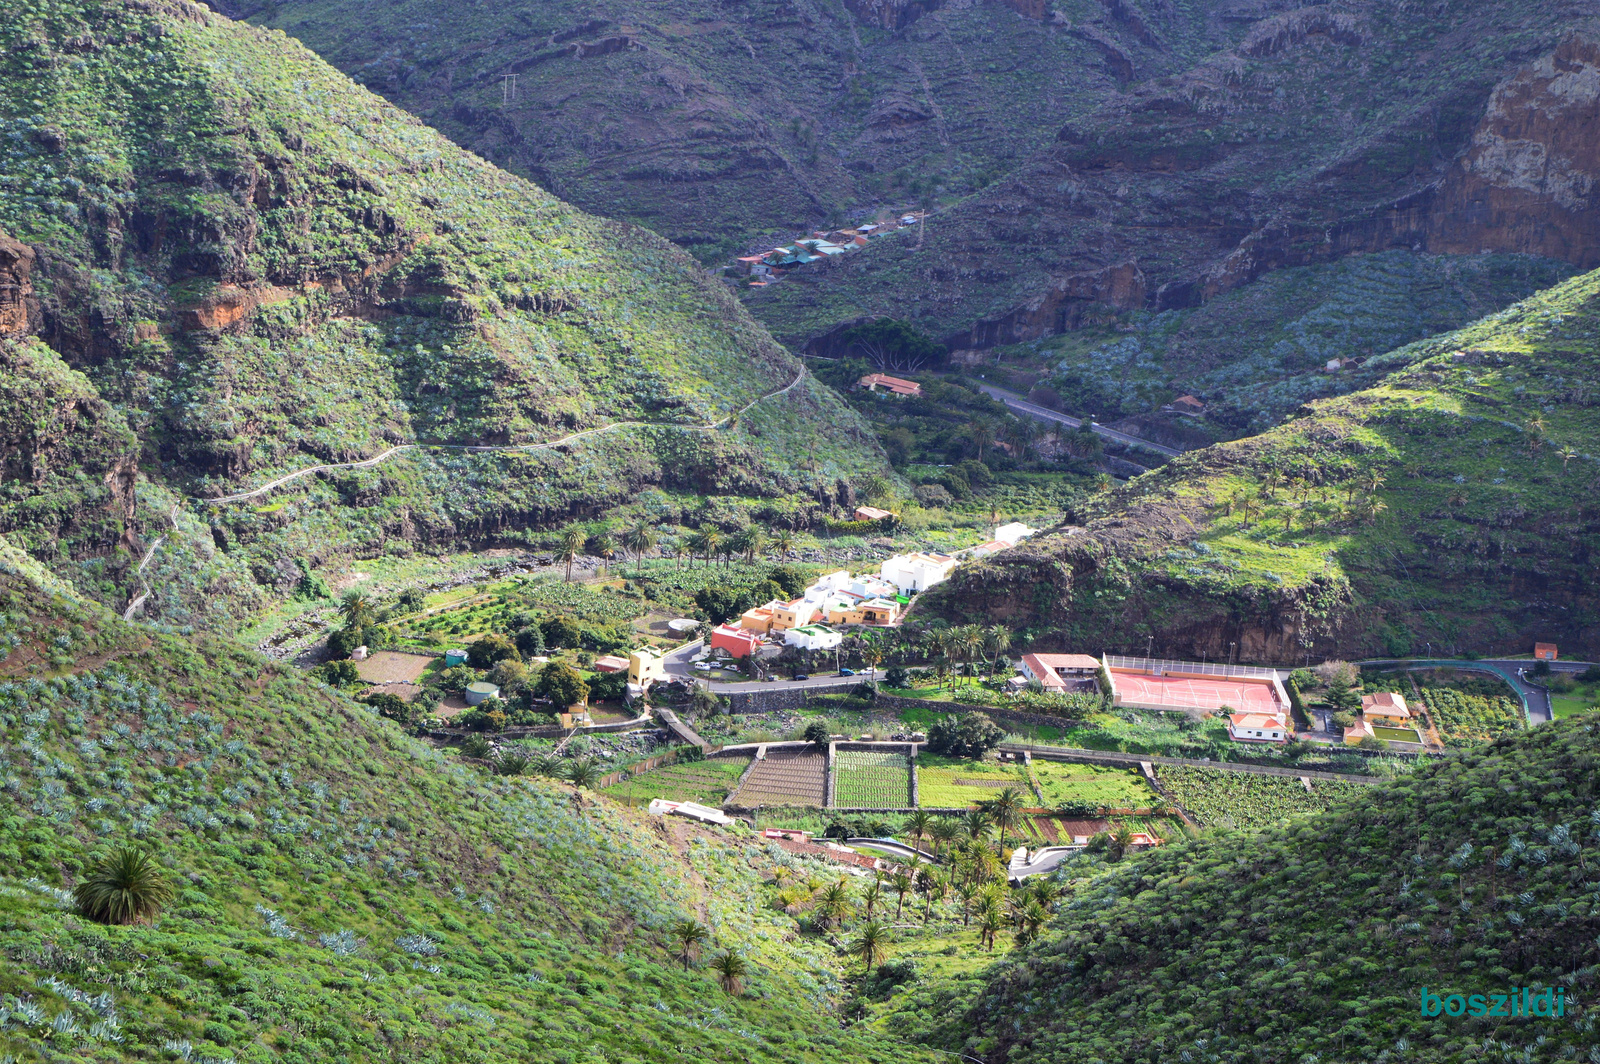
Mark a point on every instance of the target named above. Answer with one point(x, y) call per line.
point(868, 586)
point(1013, 533)
point(812, 637)
point(1258, 728)
point(827, 585)
point(1061, 672)
point(917, 572)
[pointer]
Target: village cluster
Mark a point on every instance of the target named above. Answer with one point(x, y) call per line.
point(822, 245)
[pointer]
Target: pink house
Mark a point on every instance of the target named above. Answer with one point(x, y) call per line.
point(736, 641)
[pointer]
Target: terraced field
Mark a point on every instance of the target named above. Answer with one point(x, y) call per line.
point(706, 782)
point(954, 783)
point(871, 779)
point(1065, 784)
point(1219, 798)
point(1467, 718)
point(785, 778)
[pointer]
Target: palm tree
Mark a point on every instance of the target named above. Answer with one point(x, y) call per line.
point(901, 884)
point(990, 921)
point(996, 641)
point(871, 651)
point(782, 543)
point(755, 542)
point(688, 934)
point(834, 904)
point(731, 970)
point(711, 543)
point(975, 825)
point(917, 825)
point(871, 945)
point(944, 830)
point(1030, 919)
point(699, 543)
point(640, 538)
point(739, 542)
point(971, 638)
point(582, 773)
point(602, 546)
point(932, 886)
point(356, 608)
point(1566, 454)
point(871, 896)
point(127, 887)
point(1373, 481)
point(570, 547)
point(679, 549)
point(1005, 809)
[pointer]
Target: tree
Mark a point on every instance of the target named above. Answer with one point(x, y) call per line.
point(731, 970)
point(932, 886)
point(897, 676)
point(817, 734)
point(1005, 809)
point(602, 546)
point(975, 824)
point(570, 546)
point(688, 934)
point(901, 884)
point(125, 887)
point(639, 539)
point(893, 346)
point(782, 543)
point(969, 735)
point(339, 673)
point(943, 831)
point(871, 946)
point(1566, 454)
point(990, 922)
point(561, 684)
point(917, 825)
point(833, 905)
point(871, 896)
point(996, 641)
point(490, 649)
point(582, 773)
point(356, 608)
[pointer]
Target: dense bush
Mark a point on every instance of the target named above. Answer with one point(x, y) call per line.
point(965, 735)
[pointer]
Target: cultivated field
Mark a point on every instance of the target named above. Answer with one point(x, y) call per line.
point(1217, 797)
point(785, 778)
point(871, 779)
point(953, 783)
point(706, 782)
point(1467, 718)
point(1066, 783)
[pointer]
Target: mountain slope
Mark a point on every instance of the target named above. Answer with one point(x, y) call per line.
point(1452, 503)
point(260, 267)
point(1313, 940)
point(713, 121)
point(344, 892)
point(1322, 131)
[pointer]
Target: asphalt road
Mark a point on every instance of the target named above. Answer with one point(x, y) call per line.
point(1538, 698)
point(1017, 403)
point(678, 668)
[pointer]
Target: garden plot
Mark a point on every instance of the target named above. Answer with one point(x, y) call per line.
point(954, 783)
point(706, 782)
point(785, 778)
point(1469, 717)
point(871, 779)
point(1094, 786)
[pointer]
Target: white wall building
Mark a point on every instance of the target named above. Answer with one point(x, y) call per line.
point(1013, 533)
point(917, 572)
point(812, 637)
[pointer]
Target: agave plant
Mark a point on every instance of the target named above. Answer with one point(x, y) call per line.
point(127, 887)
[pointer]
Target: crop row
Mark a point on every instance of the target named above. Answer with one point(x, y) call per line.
point(795, 779)
point(872, 780)
point(1221, 798)
point(707, 782)
point(1466, 719)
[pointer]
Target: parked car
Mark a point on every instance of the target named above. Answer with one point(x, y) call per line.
point(847, 672)
point(802, 676)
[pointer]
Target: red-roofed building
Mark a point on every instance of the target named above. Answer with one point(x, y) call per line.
point(1062, 672)
point(610, 663)
point(1385, 704)
point(736, 641)
point(1258, 728)
point(873, 381)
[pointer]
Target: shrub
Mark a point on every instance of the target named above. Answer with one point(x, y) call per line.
point(127, 887)
point(530, 640)
point(968, 735)
point(339, 673)
point(561, 631)
point(342, 642)
point(608, 686)
point(817, 734)
point(560, 683)
point(896, 676)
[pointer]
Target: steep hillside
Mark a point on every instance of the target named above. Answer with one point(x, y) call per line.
point(1452, 127)
point(712, 121)
point(1313, 940)
point(343, 892)
point(248, 266)
point(1452, 502)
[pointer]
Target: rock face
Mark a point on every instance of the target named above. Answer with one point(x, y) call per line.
point(1319, 133)
point(19, 311)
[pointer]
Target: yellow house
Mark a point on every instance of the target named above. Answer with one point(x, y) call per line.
point(796, 614)
point(759, 618)
point(646, 666)
point(879, 611)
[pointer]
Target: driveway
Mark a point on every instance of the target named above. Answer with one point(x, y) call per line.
point(1021, 406)
point(678, 668)
point(1511, 670)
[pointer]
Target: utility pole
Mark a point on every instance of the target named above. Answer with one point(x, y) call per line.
point(508, 89)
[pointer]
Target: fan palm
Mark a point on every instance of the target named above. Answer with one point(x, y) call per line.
point(127, 887)
point(833, 904)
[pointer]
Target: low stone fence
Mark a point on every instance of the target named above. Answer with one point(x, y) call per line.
point(547, 731)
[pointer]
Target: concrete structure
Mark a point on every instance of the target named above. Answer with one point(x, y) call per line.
point(481, 691)
point(1385, 704)
point(868, 586)
point(456, 656)
point(827, 584)
point(812, 637)
point(882, 611)
point(358, 654)
point(693, 810)
point(737, 642)
point(1544, 651)
point(758, 618)
point(787, 615)
point(917, 572)
point(1142, 683)
point(1060, 673)
point(610, 663)
point(1258, 728)
point(1185, 405)
point(1013, 533)
point(983, 550)
point(646, 666)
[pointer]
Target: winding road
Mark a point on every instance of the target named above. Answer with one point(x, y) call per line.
point(1535, 698)
point(1015, 402)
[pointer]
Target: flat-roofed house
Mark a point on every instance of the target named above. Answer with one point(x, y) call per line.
point(787, 615)
point(917, 572)
point(812, 637)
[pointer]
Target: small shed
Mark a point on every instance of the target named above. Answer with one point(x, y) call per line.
point(457, 656)
point(481, 691)
point(1544, 651)
point(610, 663)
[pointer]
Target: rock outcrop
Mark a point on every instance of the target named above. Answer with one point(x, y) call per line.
point(19, 311)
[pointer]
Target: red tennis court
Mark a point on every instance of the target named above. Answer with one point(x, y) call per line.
point(1190, 692)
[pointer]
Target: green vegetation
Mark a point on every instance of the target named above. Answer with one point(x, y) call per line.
point(1470, 712)
point(267, 268)
point(1219, 798)
point(1066, 784)
point(338, 889)
point(1468, 875)
point(960, 783)
point(707, 782)
point(870, 779)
